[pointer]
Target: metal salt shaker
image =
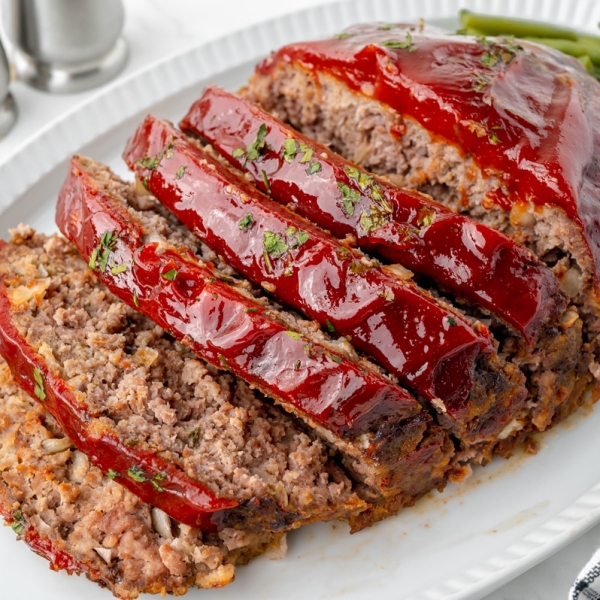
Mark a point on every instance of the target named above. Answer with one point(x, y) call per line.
point(65, 46)
point(8, 108)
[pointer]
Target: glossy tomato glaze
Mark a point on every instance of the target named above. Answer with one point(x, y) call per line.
point(223, 326)
point(471, 260)
point(183, 498)
point(433, 350)
point(529, 115)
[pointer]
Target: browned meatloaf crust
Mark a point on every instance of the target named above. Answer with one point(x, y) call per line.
point(155, 395)
point(84, 522)
point(564, 367)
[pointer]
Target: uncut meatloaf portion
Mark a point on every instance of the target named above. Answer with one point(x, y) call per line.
point(562, 367)
point(109, 373)
point(84, 522)
point(390, 447)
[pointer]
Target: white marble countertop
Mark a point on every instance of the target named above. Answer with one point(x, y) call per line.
point(183, 24)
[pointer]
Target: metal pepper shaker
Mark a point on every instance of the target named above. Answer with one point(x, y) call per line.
point(65, 46)
point(8, 108)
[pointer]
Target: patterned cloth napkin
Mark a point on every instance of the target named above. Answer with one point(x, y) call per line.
point(587, 584)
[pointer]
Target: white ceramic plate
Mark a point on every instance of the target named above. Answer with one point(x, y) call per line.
point(459, 545)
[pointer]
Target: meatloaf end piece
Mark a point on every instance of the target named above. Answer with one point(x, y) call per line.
point(83, 521)
point(124, 387)
point(308, 84)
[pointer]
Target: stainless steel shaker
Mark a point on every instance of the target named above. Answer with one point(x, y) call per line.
point(65, 46)
point(8, 108)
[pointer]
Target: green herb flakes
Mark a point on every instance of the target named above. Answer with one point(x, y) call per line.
point(137, 474)
point(18, 522)
point(297, 365)
point(148, 162)
point(266, 181)
point(193, 435)
point(343, 253)
point(330, 326)
point(117, 269)
point(425, 217)
point(451, 321)
point(246, 222)
point(289, 150)
point(238, 153)
point(314, 167)
point(343, 35)
point(349, 198)
point(112, 474)
point(251, 310)
point(180, 172)
point(169, 275)
point(294, 335)
point(375, 219)
point(39, 390)
point(385, 27)
point(274, 245)
point(398, 45)
point(224, 362)
point(334, 358)
point(136, 300)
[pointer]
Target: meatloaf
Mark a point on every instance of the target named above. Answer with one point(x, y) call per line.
point(432, 349)
point(170, 427)
point(389, 445)
point(463, 119)
point(83, 521)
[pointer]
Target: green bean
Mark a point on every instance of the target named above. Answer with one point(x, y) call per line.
point(586, 61)
point(575, 49)
point(492, 25)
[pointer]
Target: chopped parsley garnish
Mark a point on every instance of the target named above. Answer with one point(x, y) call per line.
point(349, 198)
point(291, 148)
point(313, 168)
point(334, 358)
point(137, 474)
point(112, 474)
point(255, 148)
point(224, 362)
point(489, 59)
point(398, 45)
point(18, 522)
point(294, 335)
point(169, 150)
point(357, 267)
point(39, 391)
point(133, 442)
point(274, 245)
point(329, 326)
point(425, 217)
point(251, 310)
point(494, 139)
point(148, 162)
point(246, 222)
point(266, 181)
point(101, 253)
point(180, 172)
point(169, 275)
point(343, 35)
point(193, 435)
point(451, 321)
point(343, 252)
point(374, 220)
point(297, 365)
point(385, 27)
point(116, 269)
point(154, 481)
point(135, 298)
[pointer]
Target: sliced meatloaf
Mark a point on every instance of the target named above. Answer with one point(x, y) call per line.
point(389, 445)
point(463, 119)
point(184, 437)
point(432, 350)
point(82, 521)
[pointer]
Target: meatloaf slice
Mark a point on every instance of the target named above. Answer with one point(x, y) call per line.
point(437, 113)
point(390, 446)
point(83, 521)
point(195, 442)
point(435, 353)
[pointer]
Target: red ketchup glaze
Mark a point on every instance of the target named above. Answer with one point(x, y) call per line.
point(223, 326)
point(463, 256)
point(433, 351)
point(183, 498)
point(529, 116)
